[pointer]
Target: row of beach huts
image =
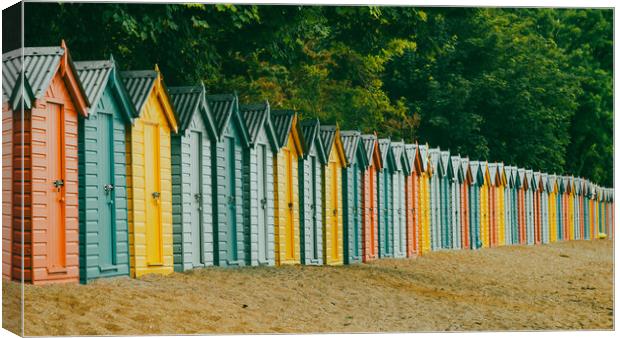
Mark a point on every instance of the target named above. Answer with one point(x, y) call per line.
point(111, 173)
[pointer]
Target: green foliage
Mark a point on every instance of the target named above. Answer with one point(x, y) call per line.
point(531, 87)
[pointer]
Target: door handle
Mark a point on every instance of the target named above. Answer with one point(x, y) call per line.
point(156, 195)
point(263, 203)
point(58, 184)
point(290, 205)
point(335, 212)
point(108, 187)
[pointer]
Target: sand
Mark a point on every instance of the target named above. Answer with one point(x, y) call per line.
point(566, 285)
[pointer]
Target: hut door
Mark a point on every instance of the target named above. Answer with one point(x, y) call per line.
point(231, 197)
point(107, 229)
point(313, 208)
point(195, 143)
point(334, 225)
point(56, 249)
point(288, 172)
point(371, 209)
point(262, 209)
point(356, 214)
point(153, 195)
point(386, 206)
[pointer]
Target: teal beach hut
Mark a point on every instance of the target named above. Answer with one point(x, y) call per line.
point(192, 226)
point(258, 184)
point(385, 198)
point(529, 207)
point(474, 204)
point(227, 163)
point(435, 196)
point(310, 187)
point(456, 177)
point(102, 191)
point(445, 194)
point(401, 165)
point(352, 176)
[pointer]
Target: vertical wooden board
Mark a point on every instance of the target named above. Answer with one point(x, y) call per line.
point(7, 188)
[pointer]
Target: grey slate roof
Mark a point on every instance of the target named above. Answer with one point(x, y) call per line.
point(368, 141)
point(328, 136)
point(384, 149)
point(254, 116)
point(529, 176)
point(39, 65)
point(187, 101)
point(465, 166)
point(398, 150)
point(492, 172)
point(410, 152)
point(282, 121)
point(445, 162)
point(455, 165)
point(222, 106)
point(423, 150)
point(309, 133)
point(94, 76)
point(350, 141)
point(435, 160)
point(474, 167)
point(139, 84)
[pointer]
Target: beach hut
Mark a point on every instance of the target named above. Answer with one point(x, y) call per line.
point(424, 204)
point(544, 208)
point(149, 175)
point(536, 191)
point(501, 183)
point(561, 201)
point(104, 237)
point(485, 215)
point(435, 195)
point(227, 163)
point(385, 197)
point(445, 195)
point(192, 225)
point(370, 237)
point(332, 195)
point(508, 206)
point(474, 204)
point(261, 194)
point(571, 208)
point(286, 182)
point(585, 189)
point(42, 102)
point(456, 179)
point(412, 188)
point(465, 203)
point(310, 192)
point(576, 208)
point(552, 189)
point(529, 207)
point(493, 204)
point(401, 166)
point(352, 176)
point(522, 186)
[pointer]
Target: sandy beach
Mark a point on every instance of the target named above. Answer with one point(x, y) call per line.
point(561, 286)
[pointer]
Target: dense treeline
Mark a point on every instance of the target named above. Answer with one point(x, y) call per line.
point(531, 87)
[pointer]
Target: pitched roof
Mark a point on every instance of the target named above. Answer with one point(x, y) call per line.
point(445, 162)
point(411, 152)
point(493, 173)
point(536, 180)
point(474, 168)
point(38, 65)
point(222, 107)
point(465, 168)
point(255, 117)
point(309, 131)
point(398, 152)
point(282, 121)
point(423, 150)
point(384, 149)
point(139, 84)
point(95, 76)
point(435, 160)
point(328, 136)
point(350, 142)
point(369, 141)
point(544, 180)
point(189, 100)
point(457, 169)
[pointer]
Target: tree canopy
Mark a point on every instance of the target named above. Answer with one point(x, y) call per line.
point(527, 87)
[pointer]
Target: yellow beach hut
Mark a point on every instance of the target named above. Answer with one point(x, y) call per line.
point(149, 176)
point(332, 195)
